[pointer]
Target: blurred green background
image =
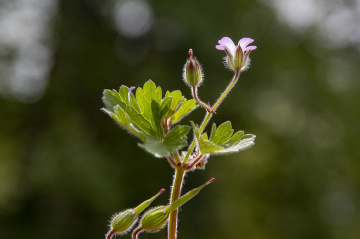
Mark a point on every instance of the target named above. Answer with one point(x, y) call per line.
point(66, 167)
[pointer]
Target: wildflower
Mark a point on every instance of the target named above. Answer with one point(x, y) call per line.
point(237, 56)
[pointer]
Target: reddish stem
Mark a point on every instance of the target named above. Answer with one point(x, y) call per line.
point(136, 233)
point(110, 234)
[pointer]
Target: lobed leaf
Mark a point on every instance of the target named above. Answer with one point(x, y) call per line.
point(186, 107)
point(222, 140)
point(142, 114)
point(174, 140)
point(177, 99)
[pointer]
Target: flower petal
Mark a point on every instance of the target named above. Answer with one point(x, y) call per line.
point(226, 42)
point(250, 48)
point(219, 47)
point(244, 42)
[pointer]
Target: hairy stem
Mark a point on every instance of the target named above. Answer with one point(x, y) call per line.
point(180, 171)
point(212, 111)
point(175, 194)
point(196, 97)
point(226, 91)
point(110, 234)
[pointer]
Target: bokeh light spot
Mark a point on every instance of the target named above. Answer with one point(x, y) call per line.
point(133, 18)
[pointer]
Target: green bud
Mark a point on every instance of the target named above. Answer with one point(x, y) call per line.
point(122, 222)
point(154, 219)
point(192, 71)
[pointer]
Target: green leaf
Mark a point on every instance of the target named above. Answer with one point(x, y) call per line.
point(155, 146)
point(142, 114)
point(186, 107)
point(207, 147)
point(236, 137)
point(144, 101)
point(177, 98)
point(156, 119)
point(221, 142)
point(123, 94)
point(240, 145)
point(109, 100)
point(165, 106)
point(151, 92)
point(134, 104)
point(123, 120)
point(174, 140)
point(139, 120)
point(222, 133)
point(177, 136)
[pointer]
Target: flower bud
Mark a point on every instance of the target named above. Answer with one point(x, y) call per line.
point(154, 219)
point(122, 222)
point(192, 71)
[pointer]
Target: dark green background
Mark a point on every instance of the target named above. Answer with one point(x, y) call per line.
point(66, 167)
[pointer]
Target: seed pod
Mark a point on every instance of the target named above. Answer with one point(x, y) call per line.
point(154, 219)
point(122, 222)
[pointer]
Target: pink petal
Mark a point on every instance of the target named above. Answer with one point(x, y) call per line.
point(244, 42)
point(250, 48)
point(226, 42)
point(219, 47)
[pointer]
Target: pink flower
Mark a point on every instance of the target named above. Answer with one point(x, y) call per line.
point(237, 56)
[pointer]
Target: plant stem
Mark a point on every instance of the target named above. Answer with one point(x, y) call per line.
point(136, 233)
point(175, 194)
point(180, 171)
point(226, 91)
point(196, 97)
point(211, 112)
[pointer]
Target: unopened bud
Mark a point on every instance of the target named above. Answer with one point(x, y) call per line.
point(192, 71)
point(122, 222)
